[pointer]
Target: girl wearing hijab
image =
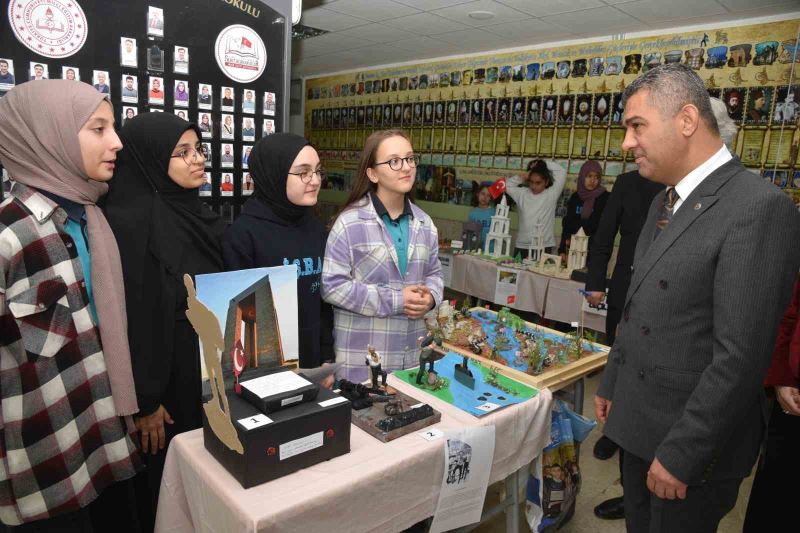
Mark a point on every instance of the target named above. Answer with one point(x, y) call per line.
point(585, 206)
point(164, 232)
point(382, 269)
point(66, 378)
point(278, 227)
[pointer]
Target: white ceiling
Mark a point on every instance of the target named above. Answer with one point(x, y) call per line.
point(365, 33)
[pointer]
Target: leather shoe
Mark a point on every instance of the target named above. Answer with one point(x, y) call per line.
point(613, 509)
point(604, 448)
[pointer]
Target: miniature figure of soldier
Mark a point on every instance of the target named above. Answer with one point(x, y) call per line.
point(374, 361)
point(431, 350)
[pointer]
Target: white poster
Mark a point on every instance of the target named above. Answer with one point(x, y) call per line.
point(505, 287)
point(468, 455)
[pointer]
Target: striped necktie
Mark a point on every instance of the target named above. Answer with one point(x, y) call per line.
point(665, 213)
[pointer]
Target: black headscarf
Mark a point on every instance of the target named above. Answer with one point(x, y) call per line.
point(163, 231)
point(270, 161)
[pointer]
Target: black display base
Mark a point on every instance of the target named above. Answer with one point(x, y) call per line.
point(298, 437)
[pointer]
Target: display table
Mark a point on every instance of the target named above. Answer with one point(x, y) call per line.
point(550, 297)
point(376, 487)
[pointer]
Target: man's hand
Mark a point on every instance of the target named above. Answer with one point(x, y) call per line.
point(601, 408)
point(417, 300)
point(663, 484)
point(789, 398)
point(151, 428)
point(595, 297)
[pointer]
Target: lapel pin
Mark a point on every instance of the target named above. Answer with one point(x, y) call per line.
point(697, 206)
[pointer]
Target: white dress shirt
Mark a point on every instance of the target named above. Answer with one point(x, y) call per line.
point(694, 178)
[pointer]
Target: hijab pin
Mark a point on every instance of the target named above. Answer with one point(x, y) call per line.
point(697, 206)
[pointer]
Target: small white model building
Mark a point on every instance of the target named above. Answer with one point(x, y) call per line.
point(446, 310)
point(536, 247)
point(498, 241)
point(578, 250)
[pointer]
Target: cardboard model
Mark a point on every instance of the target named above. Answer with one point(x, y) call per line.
point(207, 327)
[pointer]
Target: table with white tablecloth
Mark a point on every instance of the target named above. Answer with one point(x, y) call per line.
point(376, 487)
point(550, 297)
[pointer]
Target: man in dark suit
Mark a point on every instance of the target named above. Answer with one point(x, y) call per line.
point(625, 212)
point(712, 274)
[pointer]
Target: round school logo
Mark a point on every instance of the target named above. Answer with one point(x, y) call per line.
point(240, 53)
point(51, 28)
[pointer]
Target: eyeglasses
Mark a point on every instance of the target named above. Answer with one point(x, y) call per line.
point(396, 163)
point(189, 155)
point(306, 175)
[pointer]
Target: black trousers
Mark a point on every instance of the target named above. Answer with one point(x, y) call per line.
point(700, 512)
point(770, 501)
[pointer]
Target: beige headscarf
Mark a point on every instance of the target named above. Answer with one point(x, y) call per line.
point(39, 124)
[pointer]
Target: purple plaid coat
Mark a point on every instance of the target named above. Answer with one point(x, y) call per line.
point(61, 442)
point(361, 279)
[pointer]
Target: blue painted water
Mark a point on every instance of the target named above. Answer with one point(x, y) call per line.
point(488, 322)
point(472, 400)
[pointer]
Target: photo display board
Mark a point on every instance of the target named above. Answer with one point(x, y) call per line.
point(218, 64)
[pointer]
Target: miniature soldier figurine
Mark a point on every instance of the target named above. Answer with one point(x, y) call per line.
point(431, 350)
point(374, 361)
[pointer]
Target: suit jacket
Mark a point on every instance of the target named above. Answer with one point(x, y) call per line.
point(625, 212)
point(698, 326)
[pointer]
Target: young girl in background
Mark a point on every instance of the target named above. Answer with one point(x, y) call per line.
point(585, 206)
point(483, 212)
point(381, 269)
point(536, 203)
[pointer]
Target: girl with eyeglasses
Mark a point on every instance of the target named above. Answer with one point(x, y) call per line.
point(278, 227)
point(381, 270)
point(163, 231)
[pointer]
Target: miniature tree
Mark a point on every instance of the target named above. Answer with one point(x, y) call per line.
point(576, 347)
point(502, 343)
point(518, 258)
point(534, 355)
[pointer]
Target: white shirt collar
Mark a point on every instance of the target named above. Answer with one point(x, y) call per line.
point(694, 178)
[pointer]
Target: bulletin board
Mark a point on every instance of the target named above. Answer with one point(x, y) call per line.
point(186, 45)
point(487, 116)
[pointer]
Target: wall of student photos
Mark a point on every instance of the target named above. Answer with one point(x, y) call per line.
point(477, 118)
point(165, 56)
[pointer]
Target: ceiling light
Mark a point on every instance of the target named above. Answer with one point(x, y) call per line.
point(481, 15)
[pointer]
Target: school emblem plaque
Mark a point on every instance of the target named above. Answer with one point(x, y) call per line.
point(51, 28)
point(240, 53)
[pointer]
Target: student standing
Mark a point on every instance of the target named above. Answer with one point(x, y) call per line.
point(381, 269)
point(536, 197)
point(66, 369)
point(278, 227)
point(164, 232)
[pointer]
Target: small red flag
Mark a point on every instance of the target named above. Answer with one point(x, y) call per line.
point(246, 42)
point(497, 188)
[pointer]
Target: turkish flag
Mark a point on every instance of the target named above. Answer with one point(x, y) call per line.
point(246, 42)
point(497, 188)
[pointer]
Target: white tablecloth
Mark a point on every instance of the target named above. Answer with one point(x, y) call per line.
point(553, 298)
point(376, 487)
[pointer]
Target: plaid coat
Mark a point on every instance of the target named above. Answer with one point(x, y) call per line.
point(361, 278)
point(61, 442)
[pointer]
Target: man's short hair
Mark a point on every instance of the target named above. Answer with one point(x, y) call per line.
point(181, 49)
point(672, 86)
point(727, 127)
point(129, 41)
point(128, 78)
point(3, 61)
point(39, 65)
